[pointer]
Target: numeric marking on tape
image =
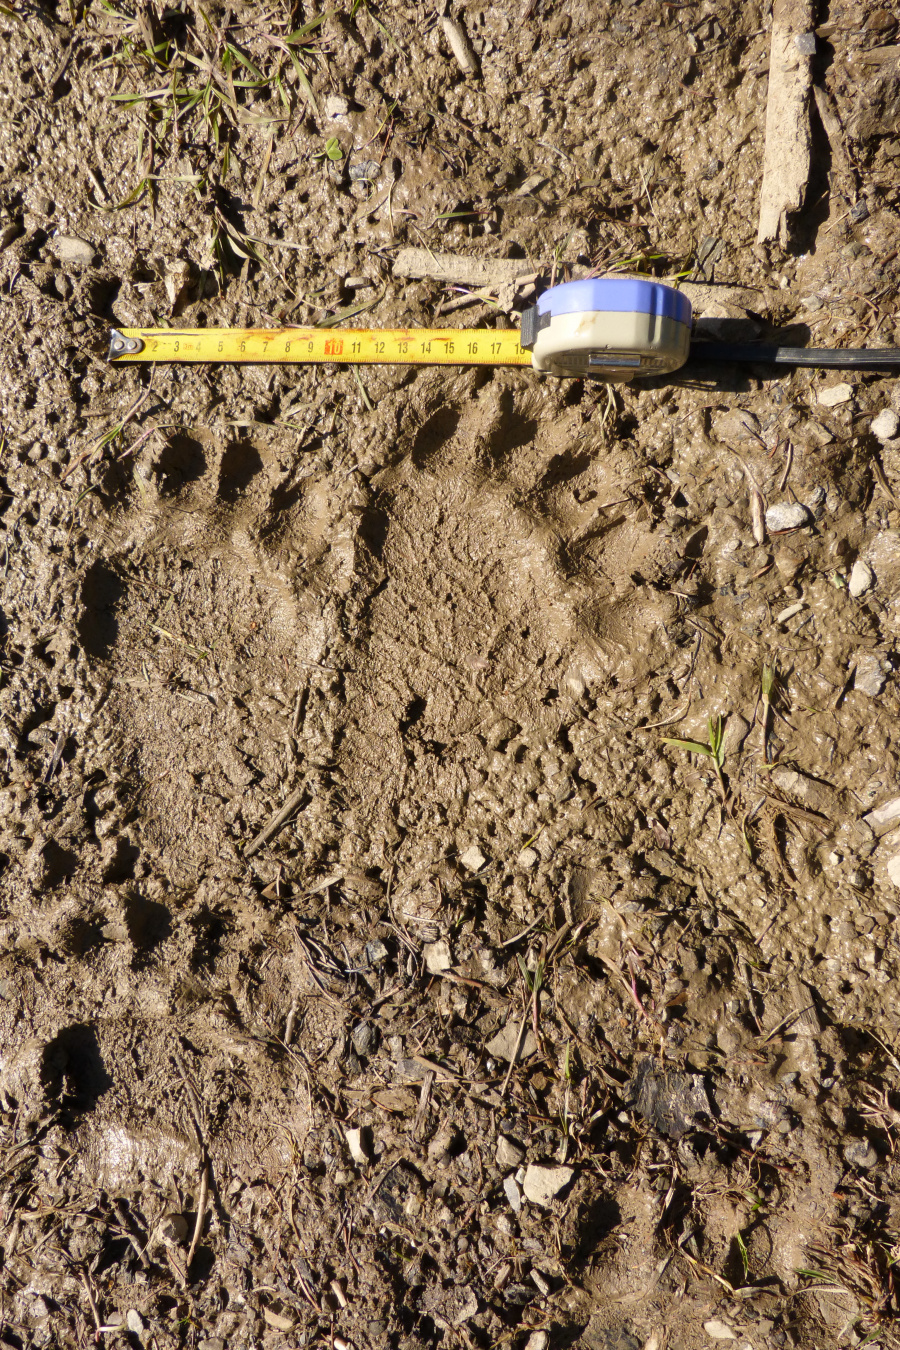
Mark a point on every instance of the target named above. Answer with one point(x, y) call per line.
point(301, 346)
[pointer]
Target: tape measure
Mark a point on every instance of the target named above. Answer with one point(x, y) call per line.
point(605, 328)
point(346, 346)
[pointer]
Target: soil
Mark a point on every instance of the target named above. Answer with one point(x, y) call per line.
point(521, 1029)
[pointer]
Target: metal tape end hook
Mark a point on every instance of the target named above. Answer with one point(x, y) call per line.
point(120, 345)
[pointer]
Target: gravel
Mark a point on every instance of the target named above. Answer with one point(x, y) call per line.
point(886, 425)
point(787, 516)
point(862, 578)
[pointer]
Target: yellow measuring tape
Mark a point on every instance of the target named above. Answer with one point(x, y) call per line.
point(346, 346)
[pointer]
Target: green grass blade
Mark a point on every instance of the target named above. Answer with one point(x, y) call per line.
point(694, 747)
point(303, 81)
point(246, 63)
point(300, 33)
point(348, 313)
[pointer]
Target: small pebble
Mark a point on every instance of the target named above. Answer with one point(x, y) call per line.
point(277, 1320)
point(357, 1142)
point(884, 818)
point(787, 516)
point(719, 1331)
point(363, 171)
point(174, 1229)
point(503, 1045)
point(542, 1184)
point(870, 677)
point(364, 1038)
point(134, 1322)
point(540, 1282)
point(862, 578)
point(527, 858)
point(886, 425)
point(860, 1153)
point(513, 1194)
point(893, 869)
point(473, 859)
point(72, 251)
point(376, 952)
point(437, 956)
point(835, 394)
point(821, 434)
point(509, 1154)
point(737, 729)
point(789, 612)
point(788, 563)
point(538, 1340)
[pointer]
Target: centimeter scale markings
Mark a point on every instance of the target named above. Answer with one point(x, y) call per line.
point(601, 328)
point(348, 346)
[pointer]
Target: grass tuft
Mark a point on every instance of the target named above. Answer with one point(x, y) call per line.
point(714, 750)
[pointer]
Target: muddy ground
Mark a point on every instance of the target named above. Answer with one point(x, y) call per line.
point(263, 1096)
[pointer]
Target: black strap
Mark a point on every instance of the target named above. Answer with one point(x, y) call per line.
point(769, 354)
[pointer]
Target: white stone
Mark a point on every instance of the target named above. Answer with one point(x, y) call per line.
point(785, 614)
point(503, 1045)
point(835, 394)
point(277, 1320)
point(886, 425)
point(509, 1154)
point(473, 858)
point(72, 251)
point(356, 1145)
point(718, 1331)
point(538, 1340)
point(527, 858)
point(893, 869)
point(884, 818)
point(513, 1194)
point(870, 676)
point(540, 1282)
point(134, 1322)
point(542, 1184)
point(787, 516)
point(862, 578)
point(437, 956)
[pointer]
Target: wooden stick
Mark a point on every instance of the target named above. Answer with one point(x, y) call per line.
point(788, 139)
point(275, 823)
point(201, 1215)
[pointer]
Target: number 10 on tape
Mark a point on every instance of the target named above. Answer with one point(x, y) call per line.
point(421, 346)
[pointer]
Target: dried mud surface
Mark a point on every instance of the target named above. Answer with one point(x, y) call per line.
point(449, 617)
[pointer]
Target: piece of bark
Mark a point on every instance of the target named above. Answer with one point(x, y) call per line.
point(788, 141)
point(459, 269)
point(837, 140)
